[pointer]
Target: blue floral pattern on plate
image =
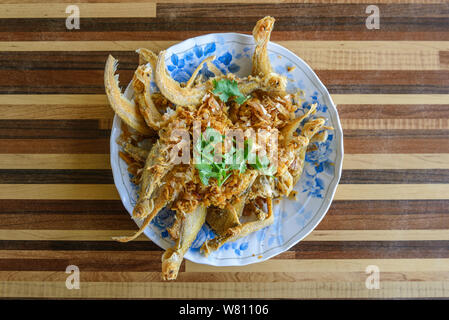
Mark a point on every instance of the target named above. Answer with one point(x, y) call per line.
point(294, 219)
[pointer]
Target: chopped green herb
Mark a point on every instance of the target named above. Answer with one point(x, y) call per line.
point(263, 165)
point(235, 159)
point(226, 89)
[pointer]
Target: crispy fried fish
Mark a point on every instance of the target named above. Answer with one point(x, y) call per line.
point(142, 86)
point(239, 231)
point(156, 167)
point(261, 33)
point(126, 109)
point(191, 224)
point(192, 96)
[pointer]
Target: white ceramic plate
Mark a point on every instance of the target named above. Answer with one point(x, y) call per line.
point(294, 220)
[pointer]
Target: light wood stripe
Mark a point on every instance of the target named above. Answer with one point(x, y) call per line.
point(57, 112)
point(271, 276)
point(96, 106)
point(330, 265)
point(66, 235)
point(108, 192)
point(59, 191)
point(361, 58)
point(86, 10)
point(54, 161)
point(338, 46)
point(378, 235)
point(390, 99)
point(101, 100)
point(55, 106)
point(389, 124)
point(83, 45)
point(101, 161)
point(371, 46)
point(105, 115)
point(391, 191)
point(53, 99)
point(316, 235)
point(210, 290)
point(53, 111)
point(396, 161)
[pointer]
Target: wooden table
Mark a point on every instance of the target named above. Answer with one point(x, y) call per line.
point(59, 206)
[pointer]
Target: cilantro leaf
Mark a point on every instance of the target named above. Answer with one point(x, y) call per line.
point(234, 160)
point(226, 88)
point(221, 90)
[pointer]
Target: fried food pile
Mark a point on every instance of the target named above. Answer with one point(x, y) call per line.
point(234, 200)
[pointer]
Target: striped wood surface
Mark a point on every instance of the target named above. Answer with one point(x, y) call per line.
point(58, 204)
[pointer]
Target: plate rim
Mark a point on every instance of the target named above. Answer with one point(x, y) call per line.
point(327, 201)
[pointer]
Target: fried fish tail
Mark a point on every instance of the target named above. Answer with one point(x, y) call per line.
point(152, 208)
point(147, 56)
point(293, 125)
point(172, 90)
point(142, 86)
point(261, 34)
point(190, 226)
point(135, 152)
point(126, 109)
point(308, 132)
point(198, 69)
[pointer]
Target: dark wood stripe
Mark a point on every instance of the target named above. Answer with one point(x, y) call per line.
point(371, 250)
point(290, 10)
point(399, 145)
point(386, 215)
point(386, 89)
point(229, 24)
point(32, 176)
point(92, 261)
point(444, 59)
point(78, 245)
point(344, 207)
point(333, 221)
point(375, 141)
point(63, 60)
point(337, 81)
point(136, 260)
point(380, 81)
point(100, 145)
point(51, 129)
point(67, 221)
point(111, 215)
point(379, 111)
point(180, 35)
point(92, 62)
point(397, 133)
point(394, 176)
point(56, 81)
point(396, 141)
point(78, 207)
point(115, 207)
